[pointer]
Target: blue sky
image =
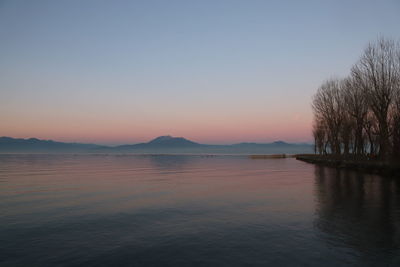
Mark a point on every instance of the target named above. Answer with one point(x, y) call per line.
point(213, 71)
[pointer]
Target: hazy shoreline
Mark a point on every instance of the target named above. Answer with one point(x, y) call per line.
point(252, 156)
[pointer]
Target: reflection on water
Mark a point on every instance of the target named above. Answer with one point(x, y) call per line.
point(157, 210)
point(169, 162)
point(359, 211)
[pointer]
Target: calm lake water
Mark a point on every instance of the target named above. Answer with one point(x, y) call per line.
point(88, 210)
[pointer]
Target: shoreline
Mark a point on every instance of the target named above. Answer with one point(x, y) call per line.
point(252, 156)
point(386, 168)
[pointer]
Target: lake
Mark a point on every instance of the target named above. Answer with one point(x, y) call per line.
point(149, 210)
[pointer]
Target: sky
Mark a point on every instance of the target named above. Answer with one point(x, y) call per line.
point(217, 72)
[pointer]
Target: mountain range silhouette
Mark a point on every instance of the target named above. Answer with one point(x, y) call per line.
point(161, 144)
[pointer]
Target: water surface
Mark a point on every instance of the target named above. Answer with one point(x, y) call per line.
point(109, 210)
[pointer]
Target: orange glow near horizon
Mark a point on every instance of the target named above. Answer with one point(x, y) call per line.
point(203, 130)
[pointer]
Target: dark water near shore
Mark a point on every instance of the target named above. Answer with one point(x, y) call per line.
point(86, 210)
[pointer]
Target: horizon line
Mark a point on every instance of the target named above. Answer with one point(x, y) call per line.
point(122, 144)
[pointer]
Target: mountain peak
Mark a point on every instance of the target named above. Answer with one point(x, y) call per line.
point(280, 143)
point(171, 141)
point(162, 138)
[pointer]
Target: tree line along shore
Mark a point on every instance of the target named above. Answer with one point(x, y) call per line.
point(357, 118)
point(360, 114)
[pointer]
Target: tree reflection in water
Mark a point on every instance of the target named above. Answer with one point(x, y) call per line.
point(359, 212)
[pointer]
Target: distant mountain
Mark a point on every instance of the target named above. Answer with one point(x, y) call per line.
point(34, 145)
point(160, 145)
point(168, 140)
point(280, 143)
point(161, 142)
point(179, 145)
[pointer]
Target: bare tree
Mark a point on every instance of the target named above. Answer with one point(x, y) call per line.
point(396, 127)
point(396, 112)
point(346, 133)
point(320, 137)
point(377, 73)
point(371, 132)
point(361, 113)
point(356, 107)
point(329, 108)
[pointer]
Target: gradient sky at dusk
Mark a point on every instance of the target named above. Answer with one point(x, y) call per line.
point(117, 72)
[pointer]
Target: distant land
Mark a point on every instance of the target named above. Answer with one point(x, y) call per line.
point(160, 145)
